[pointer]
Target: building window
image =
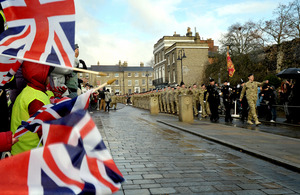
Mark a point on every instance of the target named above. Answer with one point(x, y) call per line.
point(149, 81)
point(144, 90)
point(129, 91)
point(173, 57)
point(116, 74)
point(159, 57)
point(143, 82)
point(169, 76)
point(136, 82)
point(129, 83)
point(129, 74)
point(174, 76)
point(168, 58)
point(163, 74)
point(117, 82)
point(159, 73)
point(150, 74)
point(143, 74)
point(136, 74)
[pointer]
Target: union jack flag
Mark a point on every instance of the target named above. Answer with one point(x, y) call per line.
point(53, 111)
point(73, 160)
point(41, 31)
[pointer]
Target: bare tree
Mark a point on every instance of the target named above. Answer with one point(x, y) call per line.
point(294, 20)
point(243, 38)
point(150, 63)
point(278, 29)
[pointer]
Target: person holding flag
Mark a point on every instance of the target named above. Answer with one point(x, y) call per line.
point(28, 102)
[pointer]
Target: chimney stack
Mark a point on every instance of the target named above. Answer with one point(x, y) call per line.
point(142, 64)
point(197, 38)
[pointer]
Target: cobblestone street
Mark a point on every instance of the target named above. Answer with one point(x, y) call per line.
point(158, 159)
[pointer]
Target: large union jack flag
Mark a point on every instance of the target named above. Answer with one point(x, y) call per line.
point(73, 160)
point(53, 111)
point(41, 31)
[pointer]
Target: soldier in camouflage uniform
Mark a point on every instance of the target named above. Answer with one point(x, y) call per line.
point(195, 91)
point(251, 94)
point(164, 98)
point(168, 99)
point(183, 89)
point(172, 100)
point(113, 103)
point(160, 100)
point(176, 96)
point(202, 101)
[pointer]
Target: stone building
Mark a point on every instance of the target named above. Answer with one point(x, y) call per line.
point(130, 79)
point(181, 58)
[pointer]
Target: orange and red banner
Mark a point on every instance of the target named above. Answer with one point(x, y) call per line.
point(230, 66)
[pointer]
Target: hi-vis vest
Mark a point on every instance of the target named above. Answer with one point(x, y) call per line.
point(20, 113)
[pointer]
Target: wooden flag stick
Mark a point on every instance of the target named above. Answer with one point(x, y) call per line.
point(104, 84)
point(89, 71)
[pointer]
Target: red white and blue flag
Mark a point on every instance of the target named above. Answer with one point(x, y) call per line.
point(53, 111)
point(41, 31)
point(73, 160)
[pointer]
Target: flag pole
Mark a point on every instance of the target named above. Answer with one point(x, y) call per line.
point(55, 65)
point(89, 71)
point(227, 65)
point(104, 84)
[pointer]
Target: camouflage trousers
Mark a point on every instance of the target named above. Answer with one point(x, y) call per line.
point(203, 109)
point(195, 108)
point(252, 111)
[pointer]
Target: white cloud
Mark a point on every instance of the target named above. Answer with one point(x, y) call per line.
point(143, 22)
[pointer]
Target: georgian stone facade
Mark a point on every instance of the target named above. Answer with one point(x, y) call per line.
point(130, 79)
point(168, 69)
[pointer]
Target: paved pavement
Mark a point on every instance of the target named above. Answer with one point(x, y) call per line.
point(160, 155)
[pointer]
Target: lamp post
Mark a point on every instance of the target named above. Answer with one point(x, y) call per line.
point(147, 79)
point(181, 55)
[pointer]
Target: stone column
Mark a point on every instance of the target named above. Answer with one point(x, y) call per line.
point(186, 108)
point(154, 108)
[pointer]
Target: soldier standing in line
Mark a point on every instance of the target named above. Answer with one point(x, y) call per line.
point(176, 96)
point(227, 100)
point(168, 99)
point(113, 103)
point(195, 99)
point(183, 90)
point(213, 100)
point(172, 99)
point(202, 102)
point(164, 98)
point(251, 94)
point(161, 109)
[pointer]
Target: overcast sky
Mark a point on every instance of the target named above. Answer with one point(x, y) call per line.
point(111, 30)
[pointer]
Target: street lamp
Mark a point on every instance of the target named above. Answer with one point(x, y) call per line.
point(181, 55)
point(147, 79)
